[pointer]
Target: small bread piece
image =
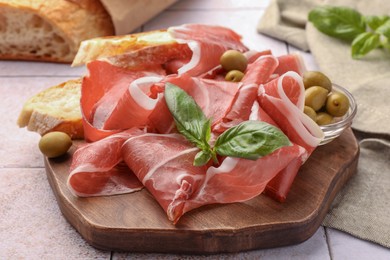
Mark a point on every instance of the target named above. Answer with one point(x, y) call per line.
point(49, 30)
point(55, 109)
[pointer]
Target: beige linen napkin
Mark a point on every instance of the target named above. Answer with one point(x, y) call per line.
point(128, 15)
point(363, 215)
point(362, 208)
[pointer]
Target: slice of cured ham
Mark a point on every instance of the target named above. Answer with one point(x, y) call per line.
point(258, 72)
point(164, 164)
point(283, 101)
point(107, 98)
point(207, 43)
point(290, 62)
point(213, 97)
point(225, 184)
point(96, 168)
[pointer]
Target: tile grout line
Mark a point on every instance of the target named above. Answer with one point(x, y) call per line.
point(328, 243)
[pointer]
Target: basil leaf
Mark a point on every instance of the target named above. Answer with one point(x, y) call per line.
point(384, 29)
point(364, 43)
point(250, 140)
point(202, 158)
point(340, 22)
point(374, 21)
point(189, 117)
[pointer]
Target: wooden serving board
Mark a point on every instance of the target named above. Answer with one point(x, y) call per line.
point(135, 222)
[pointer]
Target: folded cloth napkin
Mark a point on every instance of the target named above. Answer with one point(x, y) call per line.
point(357, 209)
point(362, 208)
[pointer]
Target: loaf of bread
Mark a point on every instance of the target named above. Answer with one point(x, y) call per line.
point(50, 30)
point(55, 109)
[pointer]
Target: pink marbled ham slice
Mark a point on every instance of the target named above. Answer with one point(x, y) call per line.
point(96, 168)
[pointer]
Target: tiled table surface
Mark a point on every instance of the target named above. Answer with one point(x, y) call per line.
point(31, 224)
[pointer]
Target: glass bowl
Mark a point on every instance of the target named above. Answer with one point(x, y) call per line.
point(335, 129)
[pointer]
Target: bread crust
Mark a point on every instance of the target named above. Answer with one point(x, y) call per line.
point(74, 21)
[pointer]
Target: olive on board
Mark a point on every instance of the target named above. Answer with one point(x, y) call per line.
point(54, 144)
point(316, 78)
point(233, 60)
point(315, 97)
point(310, 112)
point(324, 118)
point(234, 76)
point(337, 104)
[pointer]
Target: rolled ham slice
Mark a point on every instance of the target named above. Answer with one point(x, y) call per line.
point(283, 100)
point(96, 168)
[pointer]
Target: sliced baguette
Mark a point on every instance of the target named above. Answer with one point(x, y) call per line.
point(55, 109)
point(49, 30)
point(133, 50)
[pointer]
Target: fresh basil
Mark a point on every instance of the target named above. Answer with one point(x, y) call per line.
point(340, 22)
point(366, 33)
point(376, 21)
point(189, 117)
point(249, 140)
point(203, 157)
point(384, 29)
point(364, 43)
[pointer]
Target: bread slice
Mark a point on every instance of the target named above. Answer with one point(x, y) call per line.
point(55, 109)
point(49, 30)
point(133, 50)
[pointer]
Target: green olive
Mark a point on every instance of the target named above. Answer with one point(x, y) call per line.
point(337, 104)
point(324, 118)
point(316, 78)
point(233, 60)
point(55, 144)
point(315, 97)
point(310, 112)
point(234, 76)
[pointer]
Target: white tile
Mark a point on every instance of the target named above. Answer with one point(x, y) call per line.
point(313, 248)
point(31, 224)
point(25, 68)
point(18, 146)
point(344, 246)
point(243, 22)
point(218, 4)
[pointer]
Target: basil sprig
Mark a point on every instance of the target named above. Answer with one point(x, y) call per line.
point(249, 140)
point(365, 33)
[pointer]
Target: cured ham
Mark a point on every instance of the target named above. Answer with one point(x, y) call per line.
point(207, 43)
point(96, 168)
point(167, 171)
point(258, 72)
point(102, 93)
point(290, 62)
point(164, 165)
point(213, 97)
point(133, 142)
point(283, 100)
